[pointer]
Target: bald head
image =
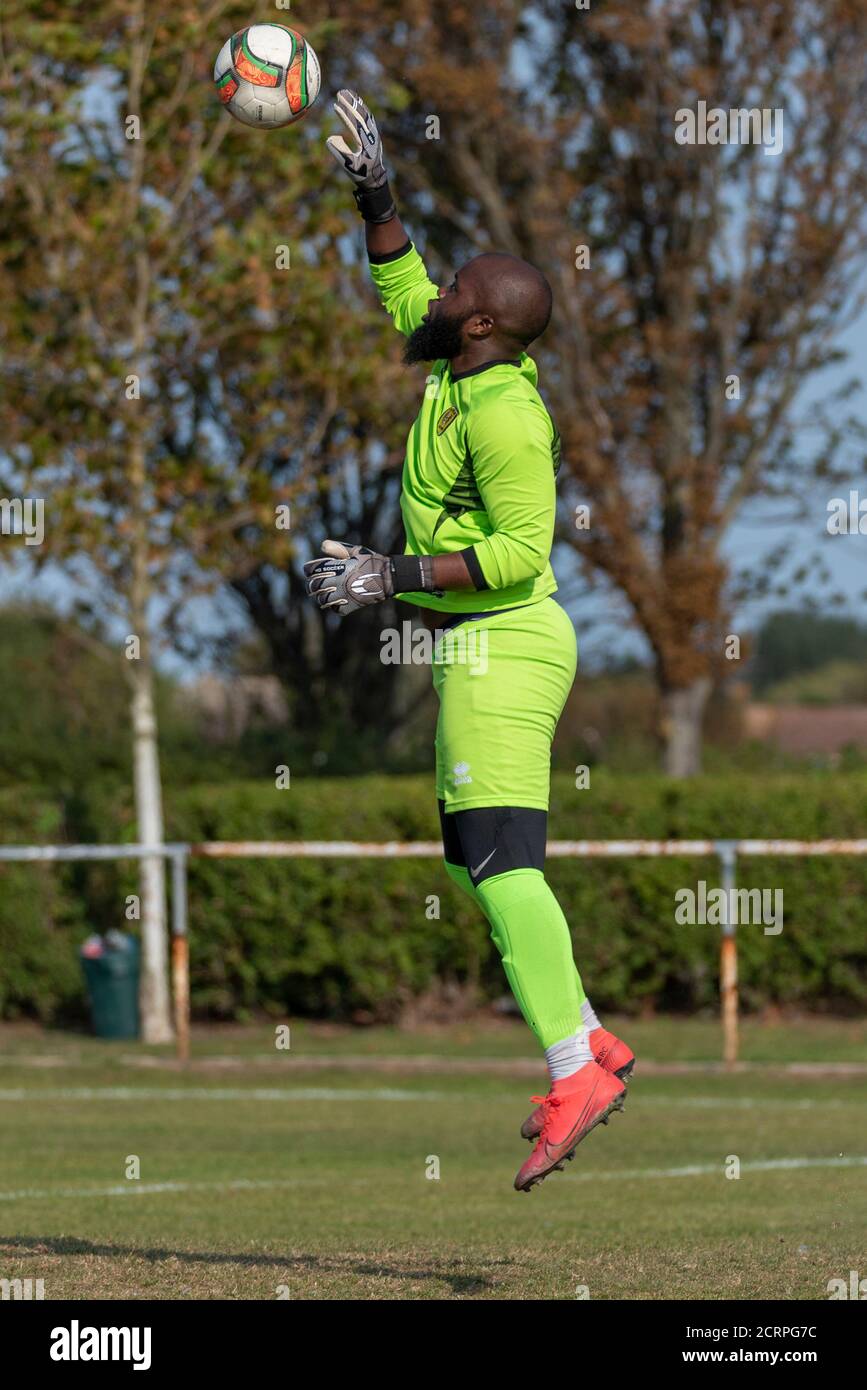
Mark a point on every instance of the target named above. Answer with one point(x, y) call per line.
point(514, 293)
point(495, 306)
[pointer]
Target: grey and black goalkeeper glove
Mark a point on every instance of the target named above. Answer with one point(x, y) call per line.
point(352, 576)
point(364, 165)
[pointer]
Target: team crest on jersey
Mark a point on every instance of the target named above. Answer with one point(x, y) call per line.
point(446, 419)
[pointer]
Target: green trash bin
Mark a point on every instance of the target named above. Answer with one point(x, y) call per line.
point(111, 973)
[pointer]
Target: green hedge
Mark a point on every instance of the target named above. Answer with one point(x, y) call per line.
point(39, 974)
point(341, 937)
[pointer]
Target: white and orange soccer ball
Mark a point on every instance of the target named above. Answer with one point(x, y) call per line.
point(267, 75)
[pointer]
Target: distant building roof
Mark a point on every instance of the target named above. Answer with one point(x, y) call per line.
point(808, 728)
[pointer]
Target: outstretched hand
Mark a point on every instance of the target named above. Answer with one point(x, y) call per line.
point(364, 163)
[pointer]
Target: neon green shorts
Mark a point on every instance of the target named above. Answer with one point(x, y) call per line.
point(502, 683)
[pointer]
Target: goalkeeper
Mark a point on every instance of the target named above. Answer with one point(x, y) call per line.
point(478, 502)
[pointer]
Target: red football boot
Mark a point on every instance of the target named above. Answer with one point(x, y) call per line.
point(573, 1106)
point(610, 1053)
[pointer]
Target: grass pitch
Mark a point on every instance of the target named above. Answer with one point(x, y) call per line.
point(308, 1174)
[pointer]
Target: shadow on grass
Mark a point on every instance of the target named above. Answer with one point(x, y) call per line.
point(308, 1264)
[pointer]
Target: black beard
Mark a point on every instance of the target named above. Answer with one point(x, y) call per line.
point(439, 337)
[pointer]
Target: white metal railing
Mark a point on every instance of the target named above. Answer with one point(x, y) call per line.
point(725, 851)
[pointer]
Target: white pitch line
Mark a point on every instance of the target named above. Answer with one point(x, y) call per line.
point(213, 1093)
point(692, 1170)
point(146, 1189)
point(142, 1189)
point(749, 1102)
point(329, 1093)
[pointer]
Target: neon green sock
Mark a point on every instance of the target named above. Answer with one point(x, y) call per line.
point(530, 932)
point(461, 877)
point(581, 993)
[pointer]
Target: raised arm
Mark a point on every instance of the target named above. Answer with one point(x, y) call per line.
point(352, 576)
point(364, 164)
point(405, 290)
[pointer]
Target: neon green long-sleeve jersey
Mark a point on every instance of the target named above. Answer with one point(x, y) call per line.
point(481, 463)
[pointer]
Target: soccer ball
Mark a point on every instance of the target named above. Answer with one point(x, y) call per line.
point(267, 75)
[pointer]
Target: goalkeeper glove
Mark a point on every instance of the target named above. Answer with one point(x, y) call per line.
point(364, 165)
point(352, 576)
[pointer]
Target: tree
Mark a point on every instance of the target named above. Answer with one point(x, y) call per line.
point(697, 286)
point(108, 138)
point(198, 382)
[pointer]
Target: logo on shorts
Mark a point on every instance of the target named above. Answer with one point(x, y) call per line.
point(461, 774)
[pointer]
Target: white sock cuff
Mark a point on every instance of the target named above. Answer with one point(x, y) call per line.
point(566, 1056)
point(588, 1017)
